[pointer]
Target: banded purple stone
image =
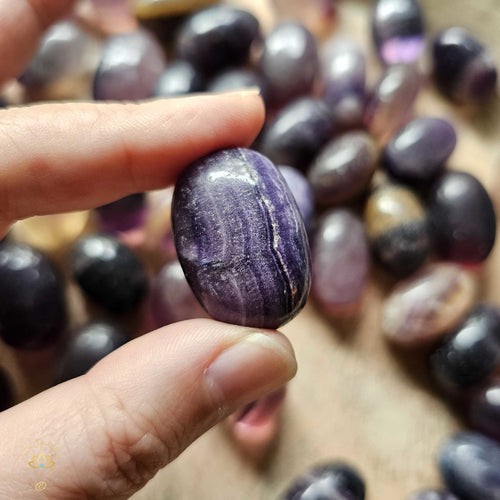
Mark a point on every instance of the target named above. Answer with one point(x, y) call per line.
point(241, 240)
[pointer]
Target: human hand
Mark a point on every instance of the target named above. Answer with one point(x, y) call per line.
point(141, 406)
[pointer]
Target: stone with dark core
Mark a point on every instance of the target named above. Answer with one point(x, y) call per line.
point(179, 78)
point(241, 240)
point(484, 410)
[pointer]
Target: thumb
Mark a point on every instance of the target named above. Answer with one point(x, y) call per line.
point(112, 429)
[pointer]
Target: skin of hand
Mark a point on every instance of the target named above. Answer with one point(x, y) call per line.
point(142, 405)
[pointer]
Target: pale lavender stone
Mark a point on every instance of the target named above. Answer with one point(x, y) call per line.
point(241, 240)
point(432, 495)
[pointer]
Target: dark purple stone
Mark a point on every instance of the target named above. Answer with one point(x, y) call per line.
point(124, 214)
point(463, 69)
point(398, 30)
point(432, 495)
point(298, 133)
point(238, 79)
point(484, 410)
point(130, 67)
point(419, 151)
point(32, 303)
point(88, 345)
point(6, 390)
point(462, 218)
point(470, 466)
point(289, 62)
point(217, 38)
point(334, 481)
point(179, 78)
point(241, 240)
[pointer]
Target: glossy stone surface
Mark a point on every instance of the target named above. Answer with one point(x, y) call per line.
point(419, 151)
point(343, 169)
point(130, 67)
point(6, 391)
point(469, 355)
point(334, 481)
point(396, 224)
point(238, 79)
point(289, 62)
point(109, 273)
point(241, 240)
point(392, 100)
point(432, 495)
point(217, 38)
point(88, 345)
point(424, 307)
point(484, 410)
point(151, 9)
point(470, 466)
point(171, 298)
point(298, 133)
point(463, 69)
point(124, 214)
point(462, 218)
point(341, 262)
point(398, 30)
point(302, 192)
point(179, 78)
point(32, 304)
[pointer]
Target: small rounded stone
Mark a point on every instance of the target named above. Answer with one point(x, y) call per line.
point(179, 78)
point(109, 273)
point(130, 67)
point(6, 390)
point(238, 79)
point(398, 30)
point(343, 169)
point(172, 299)
point(124, 214)
point(462, 218)
point(289, 62)
point(217, 37)
point(463, 69)
point(427, 305)
point(432, 495)
point(419, 151)
point(396, 224)
point(470, 466)
point(32, 303)
point(88, 345)
point(152, 9)
point(298, 133)
point(336, 481)
point(484, 410)
point(241, 240)
point(341, 262)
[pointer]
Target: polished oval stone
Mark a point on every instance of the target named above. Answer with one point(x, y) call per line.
point(462, 218)
point(470, 466)
point(32, 303)
point(463, 69)
point(241, 240)
point(109, 273)
point(419, 151)
point(217, 38)
point(88, 345)
point(391, 103)
point(343, 169)
point(130, 67)
point(341, 262)
point(428, 304)
point(432, 495)
point(336, 481)
point(179, 78)
point(171, 298)
point(238, 79)
point(396, 223)
point(6, 391)
point(398, 30)
point(302, 192)
point(124, 214)
point(289, 62)
point(298, 133)
point(151, 9)
point(469, 355)
point(484, 410)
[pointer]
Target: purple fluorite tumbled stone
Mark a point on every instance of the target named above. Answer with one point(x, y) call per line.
point(241, 240)
point(238, 79)
point(179, 78)
point(432, 495)
point(124, 214)
point(484, 410)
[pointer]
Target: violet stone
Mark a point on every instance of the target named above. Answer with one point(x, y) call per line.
point(341, 262)
point(470, 466)
point(32, 302)
point(433, 495)
point(124, 214)
point(238, 79)
point(463, 69)
point(130, 67)
point(343, 169)
point(462, 218)
point(298, 133)
point(484, 410)
point(241, 240)
point(289, 62)
point(171, 298)
point(179, 78)
point(418, 152)
point(336, 481)
point(398, 30)
point(6, 390)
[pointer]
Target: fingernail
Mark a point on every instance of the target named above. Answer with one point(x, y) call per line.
point(248, 92)
point(257, 365)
